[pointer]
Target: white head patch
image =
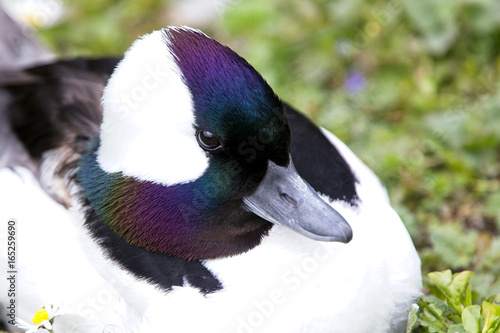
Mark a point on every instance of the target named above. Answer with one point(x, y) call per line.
point(148, 122)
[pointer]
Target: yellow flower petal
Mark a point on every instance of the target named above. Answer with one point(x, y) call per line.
point(40, 316)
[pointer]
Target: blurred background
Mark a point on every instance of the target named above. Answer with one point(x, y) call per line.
point(412, 87)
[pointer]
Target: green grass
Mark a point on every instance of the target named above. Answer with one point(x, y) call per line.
point(410, 86)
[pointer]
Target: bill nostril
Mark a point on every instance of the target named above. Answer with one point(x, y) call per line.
point(289, 200)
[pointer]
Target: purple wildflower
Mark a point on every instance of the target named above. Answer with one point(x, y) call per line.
point(355, 82)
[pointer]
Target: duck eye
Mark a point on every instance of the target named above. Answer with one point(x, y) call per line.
point(208, 140)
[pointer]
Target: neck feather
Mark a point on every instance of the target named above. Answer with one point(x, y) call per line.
point(177, 220)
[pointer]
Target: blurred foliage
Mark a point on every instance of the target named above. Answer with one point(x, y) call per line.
point(95, 27)
point(410, 86)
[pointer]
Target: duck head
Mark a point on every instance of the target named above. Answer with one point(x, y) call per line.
point(193, 159)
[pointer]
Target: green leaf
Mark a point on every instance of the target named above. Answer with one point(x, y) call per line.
point(494, 299)
point(412, 317)
point(491, 313)
point(434, 314)
point(471, 319)
point(442, 280)
point(468, 295)
point(459, 284)
point(437, 310)
point(458, 288)
point(453, 287)
point(457, 328)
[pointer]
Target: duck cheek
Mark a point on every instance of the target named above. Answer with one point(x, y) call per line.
point(236, 179)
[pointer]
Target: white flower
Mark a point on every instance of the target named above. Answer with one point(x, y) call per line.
point(43, 319)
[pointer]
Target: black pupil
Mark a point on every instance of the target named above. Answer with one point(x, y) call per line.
point(208, 140)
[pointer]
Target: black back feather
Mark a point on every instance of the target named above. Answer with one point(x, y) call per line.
point(53, 105)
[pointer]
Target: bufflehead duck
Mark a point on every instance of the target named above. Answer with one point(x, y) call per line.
point(196, 201)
